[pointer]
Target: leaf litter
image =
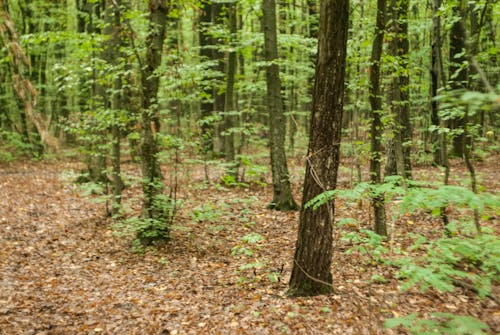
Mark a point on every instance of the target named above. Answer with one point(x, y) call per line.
point(63, 271)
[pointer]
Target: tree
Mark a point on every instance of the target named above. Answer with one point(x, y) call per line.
point(376, 120)
point(399, 157)
point(111, 54)
point(155, 210)
point(436, 72)
point(206, 54)
point(282, 198)
point(458, 71)
point(230, 104)
point(313, 251)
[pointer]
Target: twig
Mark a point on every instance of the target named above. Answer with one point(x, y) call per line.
point(467, 286)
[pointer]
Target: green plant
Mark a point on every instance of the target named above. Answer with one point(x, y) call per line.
point(246, 248)
point(367, 243)
point(476, 260)
point(439, 323)
point(230, 181)
point(469, 260)
point(145, 231)
point(208, 212)
point(252, 172)
point(14, 147)
point(464, 258)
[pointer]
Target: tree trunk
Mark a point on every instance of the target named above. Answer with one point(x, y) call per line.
point(218, 91)
point(282, 198)
point(458, 71)
point(376, 120)
point(152, 178)
point(112, 56)
point(436, 80)
point(207, 106)
point(400, 98)
point(313, 252)
point(229, 105)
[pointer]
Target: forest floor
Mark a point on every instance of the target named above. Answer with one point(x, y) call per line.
point(63, 270)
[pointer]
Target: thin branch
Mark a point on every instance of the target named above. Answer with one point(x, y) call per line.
point(467, 286)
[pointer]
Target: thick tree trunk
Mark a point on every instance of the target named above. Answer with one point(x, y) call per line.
point(313, 252)
point(282, 198)
point(376, 120)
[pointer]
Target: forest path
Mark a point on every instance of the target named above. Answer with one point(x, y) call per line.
point(62, 271)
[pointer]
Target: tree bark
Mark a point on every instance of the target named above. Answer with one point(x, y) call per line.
point(458, 71)
point(282, 195)
point(399, 91)
point(112, 55)
point(376, 120)
point(436, 80)
point(152, 177)
point(229, 104)
point(313, 252)
point(207, 105)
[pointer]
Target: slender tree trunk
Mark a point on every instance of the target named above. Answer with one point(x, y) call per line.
point(207, 105)
point(376, 120)
point(436, 79)
point(458, 71)
point(229, 105)
point(313, 252)
point(152, 178)
point(218, 91)
point(112, 56)
point(467, 149)
point(400, 102)
point(282, 198)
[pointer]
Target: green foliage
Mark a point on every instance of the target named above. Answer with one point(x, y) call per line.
point(144, 231)
point(473, 259)
point(208, 212)
point(433, 199)
point(390, 188)
point(439, 323)
point(253, 172)
point(476, 260)
point(230, 181)
point(13, 146)
point(368, 243)
point(252, 238)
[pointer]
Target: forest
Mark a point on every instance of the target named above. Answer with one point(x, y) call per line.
point(249, 167)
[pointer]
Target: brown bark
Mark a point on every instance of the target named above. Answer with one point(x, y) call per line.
point(282, 195)
point(436, 72)
point(376, 119)
point(229, 104)
point(457, 71)
point(206, 54)
point(399, 91)
point(313, 252)
point(153, 184)
point(112, 55)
